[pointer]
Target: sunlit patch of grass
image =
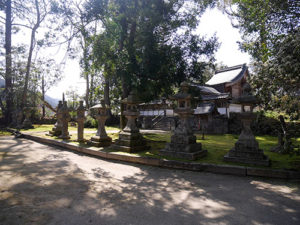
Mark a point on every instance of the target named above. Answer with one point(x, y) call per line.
point(4, 133)
point(48, 127)
point(39, 128)
point(216, 145)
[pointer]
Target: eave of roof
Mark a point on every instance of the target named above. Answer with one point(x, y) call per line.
point(204, 108)
point(228, 75)
point(215, 97)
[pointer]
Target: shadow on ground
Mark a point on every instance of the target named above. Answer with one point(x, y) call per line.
point(45, 185)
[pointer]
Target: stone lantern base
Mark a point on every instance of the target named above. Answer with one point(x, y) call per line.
point(55, 132)
point(130, 142)
point(98, 141)
point(184, 146)
point(27, 124)
point(65, 136)
point(246, 149)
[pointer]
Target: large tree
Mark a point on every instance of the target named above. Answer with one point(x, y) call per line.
point(270, 31)
point(82, 28)
point(6, 5)
point(150, 44)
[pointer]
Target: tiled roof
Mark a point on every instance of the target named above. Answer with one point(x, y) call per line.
point(204, 108)
point(206, 89)
point(156, 102)
point(214, 97)
point(228, 75)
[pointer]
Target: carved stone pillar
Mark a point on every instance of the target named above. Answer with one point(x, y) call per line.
point(101, 139)
point(64, 117)
point(183, 142)
point(80, 122)
point(130, 138)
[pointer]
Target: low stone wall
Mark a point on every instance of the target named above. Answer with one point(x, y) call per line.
point(206, 167)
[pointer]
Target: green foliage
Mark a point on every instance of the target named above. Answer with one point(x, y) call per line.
point(271, 35)
point(216, 145)
point(266, 123)
point(4, 133)
point(90, 122)
point(149, 45)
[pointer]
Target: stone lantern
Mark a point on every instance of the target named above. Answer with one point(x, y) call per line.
point(183, 141)
point(246, 149)
point(80, 121)
point(56, 130)
point(64, 116)
point(101, 139)
point(27, 122)
point(130, 138)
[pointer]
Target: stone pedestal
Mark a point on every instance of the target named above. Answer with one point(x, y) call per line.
point(130, 138)
point(64, 117)
point(17, 118)
point(246, 149)
point(27, 122)
point(101, 139)
point(183, 141)
point(56, 130)
point(80, 122)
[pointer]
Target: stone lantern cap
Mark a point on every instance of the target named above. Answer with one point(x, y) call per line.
point(246, 98)
point(64, 107)
point(100, 106)
point(81, 107)
point(132, 98)
point(183, 99)
point(183, 93)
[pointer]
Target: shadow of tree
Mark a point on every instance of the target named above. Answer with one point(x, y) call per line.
point(44, 185)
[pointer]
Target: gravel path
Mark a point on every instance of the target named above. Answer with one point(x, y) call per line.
point(40, 184)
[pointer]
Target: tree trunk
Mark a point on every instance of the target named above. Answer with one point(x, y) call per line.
point(43, 98)
point(106, 93)
point(28, 66)
point(86, 75)
point(92, 89)
point(8, 66)
point(125, 93)
point(124, 26)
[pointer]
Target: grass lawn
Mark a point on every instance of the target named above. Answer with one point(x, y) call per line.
point(4, 133)
point(216, 145)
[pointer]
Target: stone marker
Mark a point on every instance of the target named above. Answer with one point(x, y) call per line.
point(246, 149)
point(130, 138)
point(56, 130)
point(64, 116)
point(183, 141)
point(17, 118)
point(101, 139)
point(27, 122)
point(80, 122)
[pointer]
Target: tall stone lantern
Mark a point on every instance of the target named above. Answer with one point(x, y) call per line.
point(80, 121)
point(130, 138)
point(27, 124)
point(183, 141)
point(56, 130)
point(64, 116)
point(246, 149)
point(101, 139)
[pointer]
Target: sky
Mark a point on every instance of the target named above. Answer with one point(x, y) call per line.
point(212, 21)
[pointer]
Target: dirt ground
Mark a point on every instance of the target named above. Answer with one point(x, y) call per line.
point(40, 184)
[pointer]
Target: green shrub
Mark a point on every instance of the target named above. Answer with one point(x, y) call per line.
point(90, 122)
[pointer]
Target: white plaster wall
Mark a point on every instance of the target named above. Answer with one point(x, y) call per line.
point(169, 112)
point(222, 111)
point(235, 108)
